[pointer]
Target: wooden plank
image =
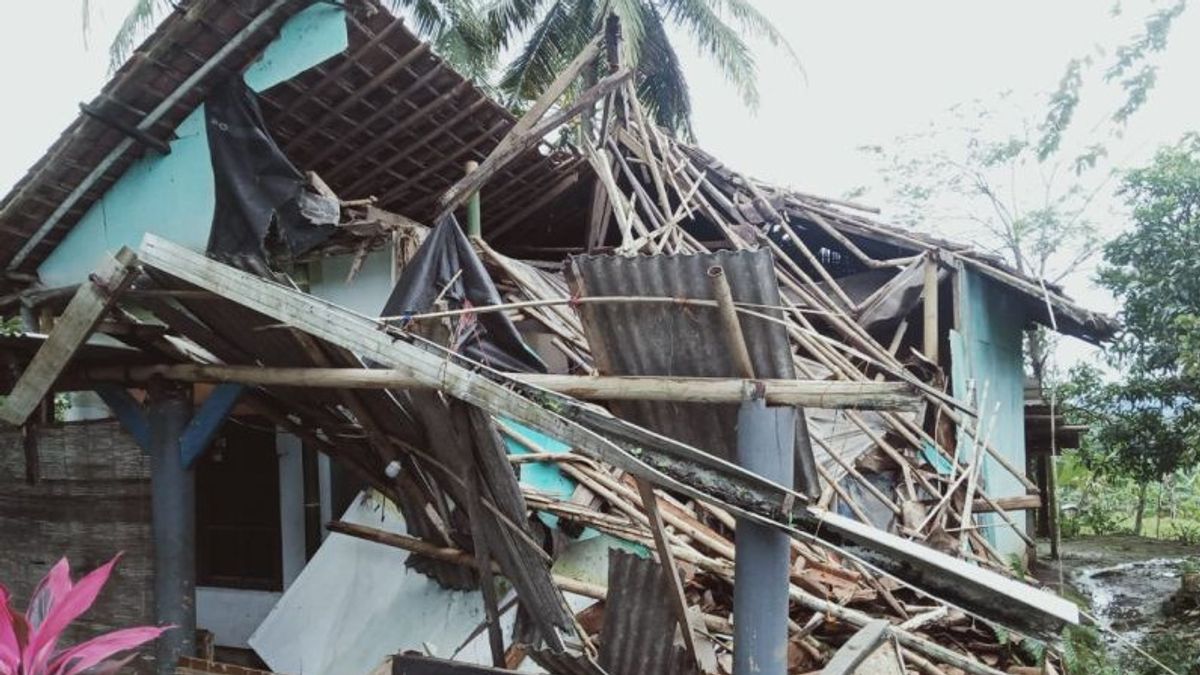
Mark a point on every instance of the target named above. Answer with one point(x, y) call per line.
point(521, 142)
point(856, 650)
point(829, 394)
point(883, 661)
point(189, 665)
point(1014, 503)
point(91, 302)
point(458, 192)
point(930, 306)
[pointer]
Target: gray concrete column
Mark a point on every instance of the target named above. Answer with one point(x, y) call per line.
point(765, 442)
point(173, 501)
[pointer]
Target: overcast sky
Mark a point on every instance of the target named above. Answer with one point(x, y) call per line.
point(873, 70)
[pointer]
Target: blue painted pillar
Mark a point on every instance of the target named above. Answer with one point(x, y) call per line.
point(173, 501)
point(765, 445)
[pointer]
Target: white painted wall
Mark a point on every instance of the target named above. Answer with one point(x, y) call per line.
point(356, 603)
point(291, 505)
point(231, 614)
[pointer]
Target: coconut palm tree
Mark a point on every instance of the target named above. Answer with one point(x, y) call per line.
point(556, 30)
point(546, 34)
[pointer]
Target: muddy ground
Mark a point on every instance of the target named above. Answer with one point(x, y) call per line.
point(1128, 581)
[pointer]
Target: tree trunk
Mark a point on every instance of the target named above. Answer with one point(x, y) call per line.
point(1158, 513)
point(1172, 500)
point(1141, 508)
point(1036, 341)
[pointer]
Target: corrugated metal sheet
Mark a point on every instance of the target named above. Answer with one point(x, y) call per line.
point(639, 622)
point(685, 341)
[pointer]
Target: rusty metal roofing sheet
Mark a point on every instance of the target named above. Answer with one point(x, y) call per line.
point(685, 341)
point(639, 622)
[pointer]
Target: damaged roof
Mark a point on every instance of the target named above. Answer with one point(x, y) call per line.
point(389, 119)
point(386, 118)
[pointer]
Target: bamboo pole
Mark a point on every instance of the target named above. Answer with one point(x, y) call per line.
point(930, 301)
point(814, 393)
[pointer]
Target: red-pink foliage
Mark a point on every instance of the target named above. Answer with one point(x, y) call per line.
point(29, 641)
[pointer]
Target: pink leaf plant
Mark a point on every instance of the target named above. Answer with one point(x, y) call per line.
point(29, 641)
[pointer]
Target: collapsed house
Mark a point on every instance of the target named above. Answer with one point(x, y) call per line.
point(347, 427)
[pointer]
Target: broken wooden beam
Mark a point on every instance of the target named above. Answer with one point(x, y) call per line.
point(88, 306)
point(522, 142)
point(832, 394)
point(857, 649)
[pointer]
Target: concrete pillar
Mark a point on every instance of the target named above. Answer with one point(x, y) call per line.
point(173, 501)
point(765, 441)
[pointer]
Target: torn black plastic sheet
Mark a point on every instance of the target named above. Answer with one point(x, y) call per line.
point(623, 445)
point(259, 193)
point(446, 268)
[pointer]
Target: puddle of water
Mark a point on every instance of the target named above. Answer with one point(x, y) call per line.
point(1128, 598)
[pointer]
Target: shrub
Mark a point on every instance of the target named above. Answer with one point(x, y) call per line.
point(1180, 653)
point(1185, 533)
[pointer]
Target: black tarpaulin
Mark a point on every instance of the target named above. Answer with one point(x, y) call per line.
point(447, 267)
point(259, 193)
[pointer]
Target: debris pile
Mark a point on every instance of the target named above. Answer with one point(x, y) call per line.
point(623, 370)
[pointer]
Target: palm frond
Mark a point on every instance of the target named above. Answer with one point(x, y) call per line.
point(661, 86)
point(720, 42)
point(458, 31)
point(142, 17)
point(430, 19)
point(506, 19)
point(756, 24)
point(555, 41)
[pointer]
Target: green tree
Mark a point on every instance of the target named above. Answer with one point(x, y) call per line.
point(1142, 428)
point(1147, 424)
point(557, 30)
point(474, 34)
point(1131, 66)
point(1153, 268)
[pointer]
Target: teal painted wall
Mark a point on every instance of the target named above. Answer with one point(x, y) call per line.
point(173, 195)
point(988, 351)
